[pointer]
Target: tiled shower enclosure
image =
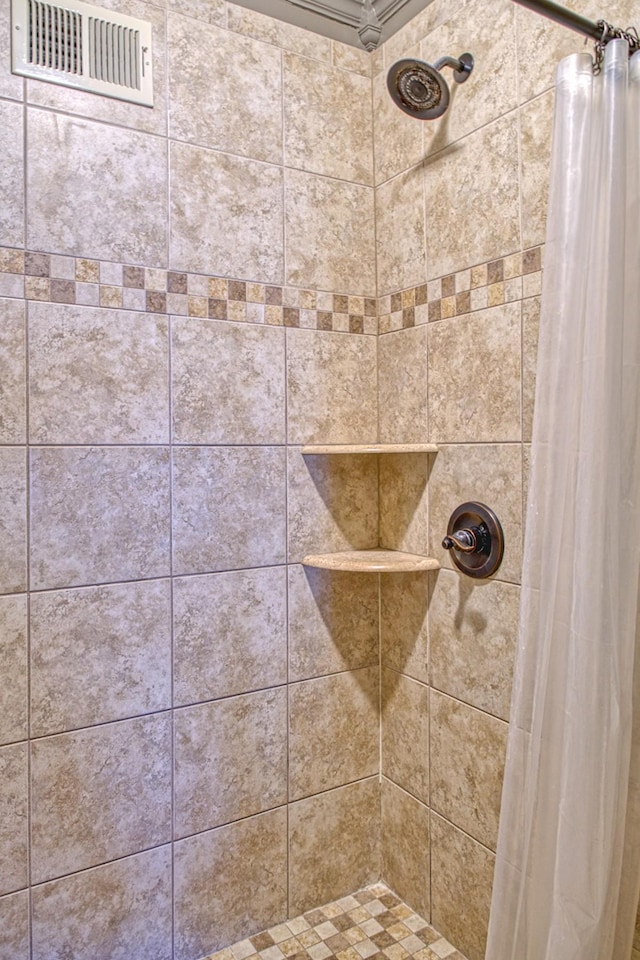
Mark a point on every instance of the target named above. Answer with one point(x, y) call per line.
point(200, 736)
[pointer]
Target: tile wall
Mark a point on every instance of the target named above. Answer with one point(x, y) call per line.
point(189, 720)
point(460, 228)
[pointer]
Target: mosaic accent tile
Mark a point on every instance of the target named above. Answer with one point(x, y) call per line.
point(36, 264)
point(76, 280)
point(87, 271)
point(371, 924)
point(516, 277)
point(11, 261)
point(129, 287)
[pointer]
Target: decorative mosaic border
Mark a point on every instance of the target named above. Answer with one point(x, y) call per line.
point(76, 280)
point(487, 285)
point(61, 279)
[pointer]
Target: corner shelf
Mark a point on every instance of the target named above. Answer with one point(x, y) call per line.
point(353, 448)
point(375, 560)
point(371, 561)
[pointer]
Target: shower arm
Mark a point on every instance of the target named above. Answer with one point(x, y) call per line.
point(601, 31)
point(452, 62)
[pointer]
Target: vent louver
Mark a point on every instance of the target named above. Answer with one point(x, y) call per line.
point(79, 45)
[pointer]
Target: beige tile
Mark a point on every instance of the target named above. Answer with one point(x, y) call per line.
point(530, 328)
point(12, 183)
point(109, 913)
point(99, 794)
point(329, 228)
point(399, 139)
point(126, 221)
point(99, 654)
point(473, 627)
point(404, 502)
point(97, 376)
point(13, 427)
point(351, 58)
point(90, 522)
point(344, 821)
point(108, 109)
point(228, 382)
point(209, 192)
point(402, 386)
point(490, 474)
point(14, 812)
point(331, 388)
point(536, 126)
point(11, 86)
point(333, 621)
point(245, 866)
point(461, 881)
point(230, 633)
point(230, 760)
point(332, 503)
point(14, 926)
point(490, 91)
point(405, 847)
point(405, 42)
point(229, 508)
point(472, 211)
point(404, 602)
point(327, 120)
point(541, 46)
point(333, 731)
point(281, 34)
point(400, 232)
point(207, 106)
point(437, 12)
point(405, 733)
point(13, 656)
point(474, 377)
point(467, 749)
point(13, 519)
point(377, 61)
point(209, 11)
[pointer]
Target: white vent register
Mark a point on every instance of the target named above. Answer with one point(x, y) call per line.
point(82, 46)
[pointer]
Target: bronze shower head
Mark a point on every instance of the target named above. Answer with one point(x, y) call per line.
point(419, 88)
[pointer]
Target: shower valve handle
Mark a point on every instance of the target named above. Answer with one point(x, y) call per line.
point(467, 539)
point(475, 539)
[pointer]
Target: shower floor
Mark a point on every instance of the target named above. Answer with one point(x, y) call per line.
point(372, 924)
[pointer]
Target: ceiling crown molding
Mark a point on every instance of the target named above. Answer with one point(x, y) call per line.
point(343, 11)
point(351, 21)
point(349, 12)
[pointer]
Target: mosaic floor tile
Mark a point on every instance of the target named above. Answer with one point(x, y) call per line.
point(371, 924)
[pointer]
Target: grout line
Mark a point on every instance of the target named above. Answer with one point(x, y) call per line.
point(287, 611)
point(253, 691)
point(27, 466)
point(172, 627)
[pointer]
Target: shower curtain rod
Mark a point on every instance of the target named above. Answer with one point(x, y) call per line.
point(568, 18)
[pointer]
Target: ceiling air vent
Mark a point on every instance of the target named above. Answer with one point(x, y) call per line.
point(83, 46)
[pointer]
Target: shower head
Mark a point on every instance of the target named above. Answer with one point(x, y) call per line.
point(419, 88)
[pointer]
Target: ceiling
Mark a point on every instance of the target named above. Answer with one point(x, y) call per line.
point(340, 19)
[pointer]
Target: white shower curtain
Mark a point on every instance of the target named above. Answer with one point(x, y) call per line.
point(568, 863)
